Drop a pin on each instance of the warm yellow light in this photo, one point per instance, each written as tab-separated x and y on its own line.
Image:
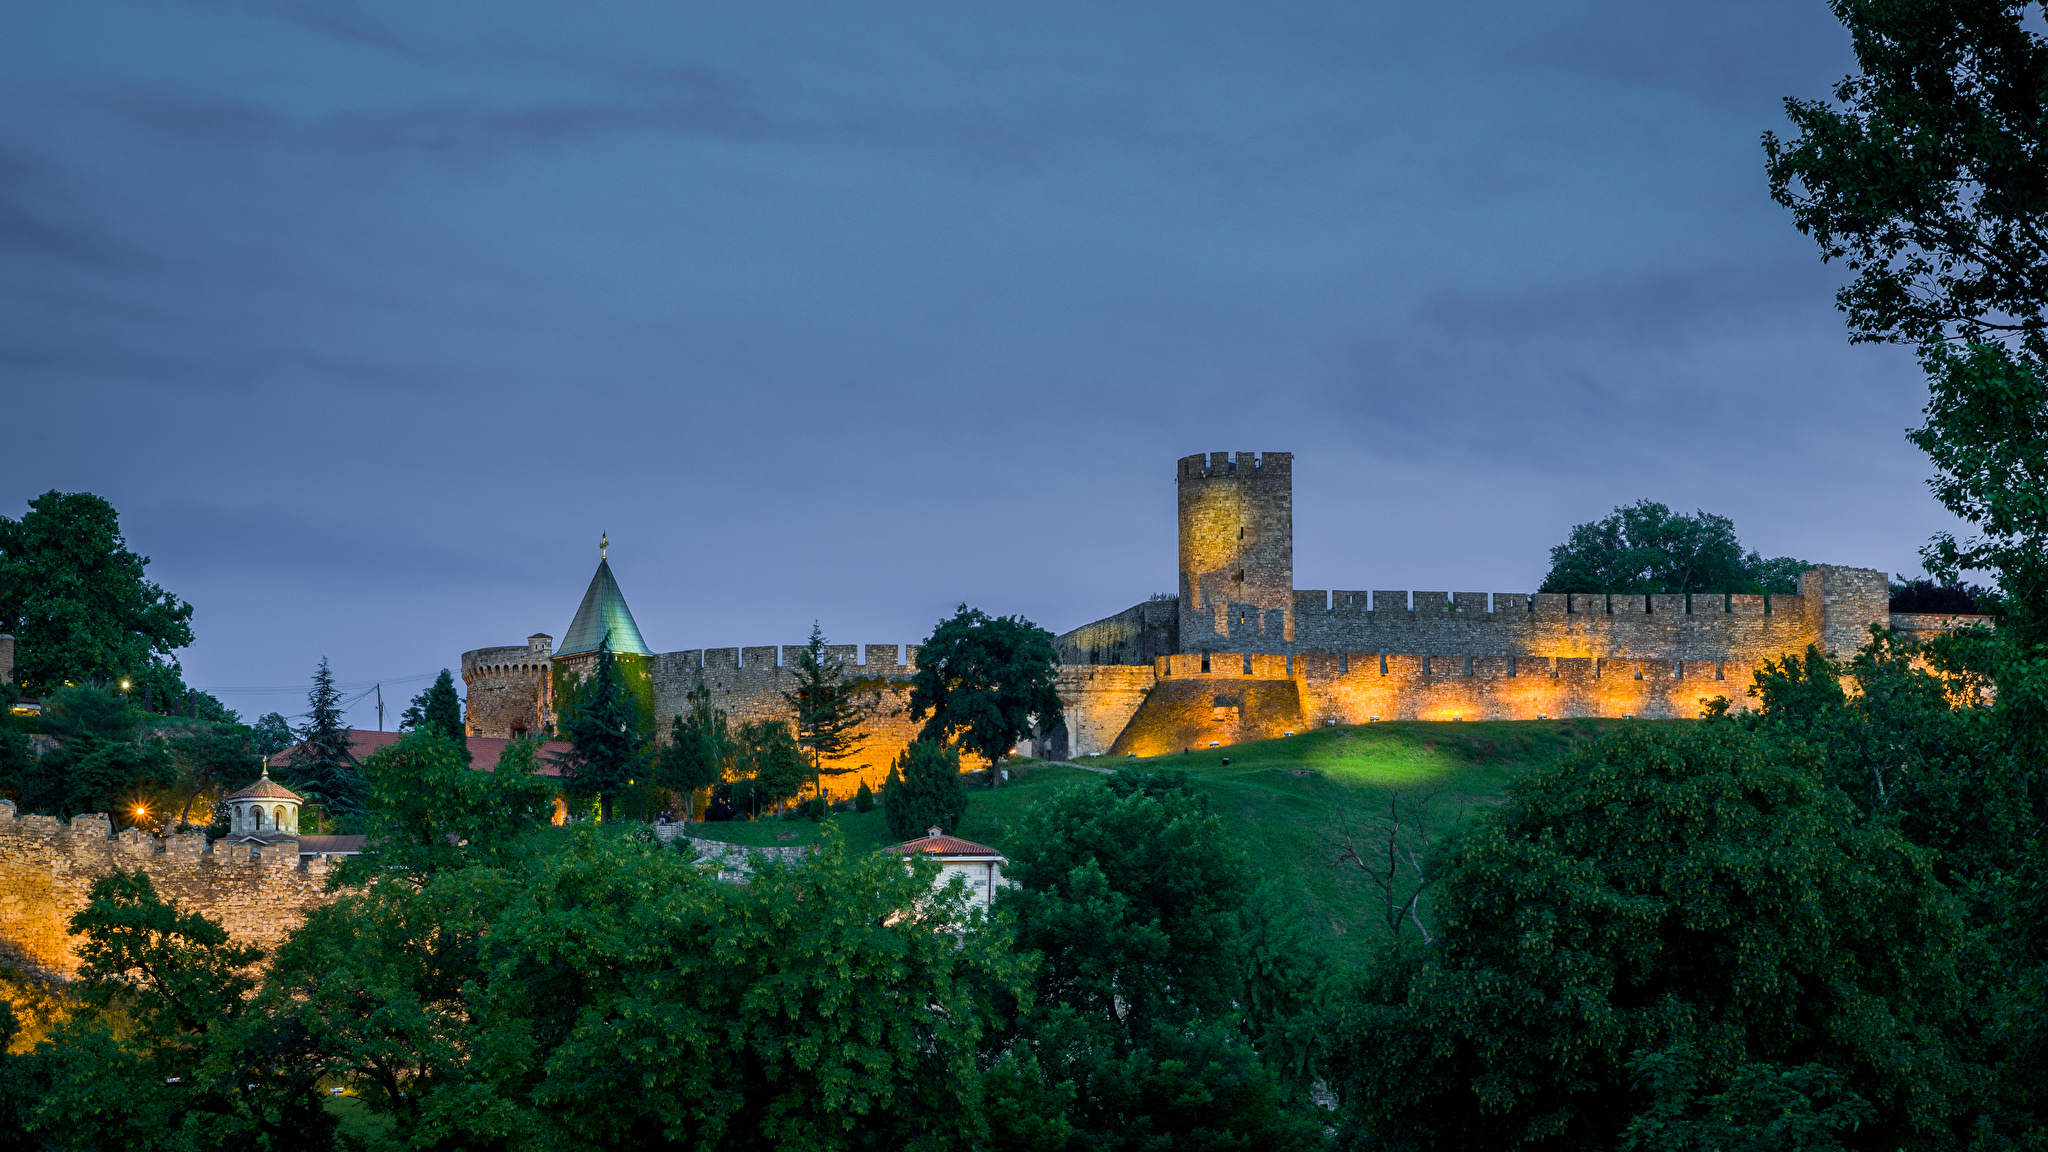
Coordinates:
142	811
124	685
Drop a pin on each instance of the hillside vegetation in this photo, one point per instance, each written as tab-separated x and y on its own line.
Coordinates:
1285	797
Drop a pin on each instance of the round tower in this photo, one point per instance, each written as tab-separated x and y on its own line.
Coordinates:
1236	552
509	690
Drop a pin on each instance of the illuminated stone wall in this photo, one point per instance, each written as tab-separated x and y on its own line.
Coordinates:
507	690
1099	702
47	866
1236	550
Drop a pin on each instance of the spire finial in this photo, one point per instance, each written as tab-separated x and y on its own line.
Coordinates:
603	542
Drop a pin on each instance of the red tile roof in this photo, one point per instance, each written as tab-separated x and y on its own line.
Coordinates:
483	750
266	789
944	846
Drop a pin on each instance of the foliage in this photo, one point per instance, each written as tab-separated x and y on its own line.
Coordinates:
608	741
864	800
322	767
768	768
830	707
1645	548
77	602
985	682
699	751
430	812
271	735
438	709
211	760
1162	975
924	791
1957	599
1693	892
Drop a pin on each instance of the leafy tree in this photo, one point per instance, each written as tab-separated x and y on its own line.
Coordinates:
767	765
985	682
438	709
830	708
322	766
214	759
1645	548
76	600
699	751
924	791
271	735
1170	995
1667	901
1957	598
608	748
430	812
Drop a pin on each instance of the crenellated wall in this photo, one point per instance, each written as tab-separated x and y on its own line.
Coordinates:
47	866
507	691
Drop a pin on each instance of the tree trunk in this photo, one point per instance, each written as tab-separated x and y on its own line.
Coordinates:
604	807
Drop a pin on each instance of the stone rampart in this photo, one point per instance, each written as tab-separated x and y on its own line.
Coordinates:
508	689
47	866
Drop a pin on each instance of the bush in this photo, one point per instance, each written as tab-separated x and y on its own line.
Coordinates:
864	800
926	792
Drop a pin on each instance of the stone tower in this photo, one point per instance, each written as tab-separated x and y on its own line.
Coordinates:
509	690
1236	552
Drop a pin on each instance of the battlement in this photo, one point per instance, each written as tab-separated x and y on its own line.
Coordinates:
1271	466
770	660
48	865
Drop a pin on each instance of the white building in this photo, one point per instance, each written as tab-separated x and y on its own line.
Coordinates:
978	864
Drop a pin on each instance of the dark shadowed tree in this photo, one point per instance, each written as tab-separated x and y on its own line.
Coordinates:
699	751
924	791
438	709
985	683
78	604
768	767
1646	548
322	766
607	748
271	735
830	707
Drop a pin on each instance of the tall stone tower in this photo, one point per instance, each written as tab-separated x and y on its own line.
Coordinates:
1236	552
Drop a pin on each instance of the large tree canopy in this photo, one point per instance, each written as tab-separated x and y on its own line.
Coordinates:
75	598
985	682
1646	547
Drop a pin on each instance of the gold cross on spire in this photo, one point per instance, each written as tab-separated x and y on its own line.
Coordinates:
603	542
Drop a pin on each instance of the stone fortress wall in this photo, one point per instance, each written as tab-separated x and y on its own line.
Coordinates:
509	689
47	866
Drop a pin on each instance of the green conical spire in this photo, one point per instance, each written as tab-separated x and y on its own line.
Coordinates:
603	610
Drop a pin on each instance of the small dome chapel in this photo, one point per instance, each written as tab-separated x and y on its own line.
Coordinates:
264	810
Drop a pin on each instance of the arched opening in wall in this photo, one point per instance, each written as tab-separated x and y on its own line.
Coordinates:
256	819
1205	659
277	817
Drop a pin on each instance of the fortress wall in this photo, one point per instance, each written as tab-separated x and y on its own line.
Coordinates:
1351	688
47	867
1099	702
506	690
749	685
1136	635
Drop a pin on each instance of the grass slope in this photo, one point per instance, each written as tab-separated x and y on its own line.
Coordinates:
1284	797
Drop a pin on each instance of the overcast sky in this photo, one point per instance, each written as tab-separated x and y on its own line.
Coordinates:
369	318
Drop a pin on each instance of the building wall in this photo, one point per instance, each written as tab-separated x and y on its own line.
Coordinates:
507	690
47	866
1099	702
1136	635
6	658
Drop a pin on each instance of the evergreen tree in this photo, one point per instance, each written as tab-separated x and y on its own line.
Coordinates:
924	791
699	749
608	750
985	682
864	800
322	768
769	765
438	709
830	708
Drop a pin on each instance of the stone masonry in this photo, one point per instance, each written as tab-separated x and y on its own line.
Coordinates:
257	892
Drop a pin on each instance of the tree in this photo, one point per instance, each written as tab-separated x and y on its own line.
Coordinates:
608	750
438	709
864	800
271	735
1387	840
1667	900
430	812
830	708
1646	548
1178	1006
699	751
322	766
76	600
924	791
1957	598
985	682
767	765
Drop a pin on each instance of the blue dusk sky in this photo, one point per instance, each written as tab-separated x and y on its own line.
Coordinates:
369	318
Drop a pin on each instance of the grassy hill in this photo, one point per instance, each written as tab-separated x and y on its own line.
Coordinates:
1283	796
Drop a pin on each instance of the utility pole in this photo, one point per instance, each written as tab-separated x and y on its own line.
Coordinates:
380	707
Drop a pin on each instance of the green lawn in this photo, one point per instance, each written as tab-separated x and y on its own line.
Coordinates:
1283	796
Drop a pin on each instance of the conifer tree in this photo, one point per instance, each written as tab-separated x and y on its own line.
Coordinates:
699	749
924	791
438	709
608	750
830	708
322	768
770	765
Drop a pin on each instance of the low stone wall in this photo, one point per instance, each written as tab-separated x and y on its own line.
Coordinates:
47	866
733	861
